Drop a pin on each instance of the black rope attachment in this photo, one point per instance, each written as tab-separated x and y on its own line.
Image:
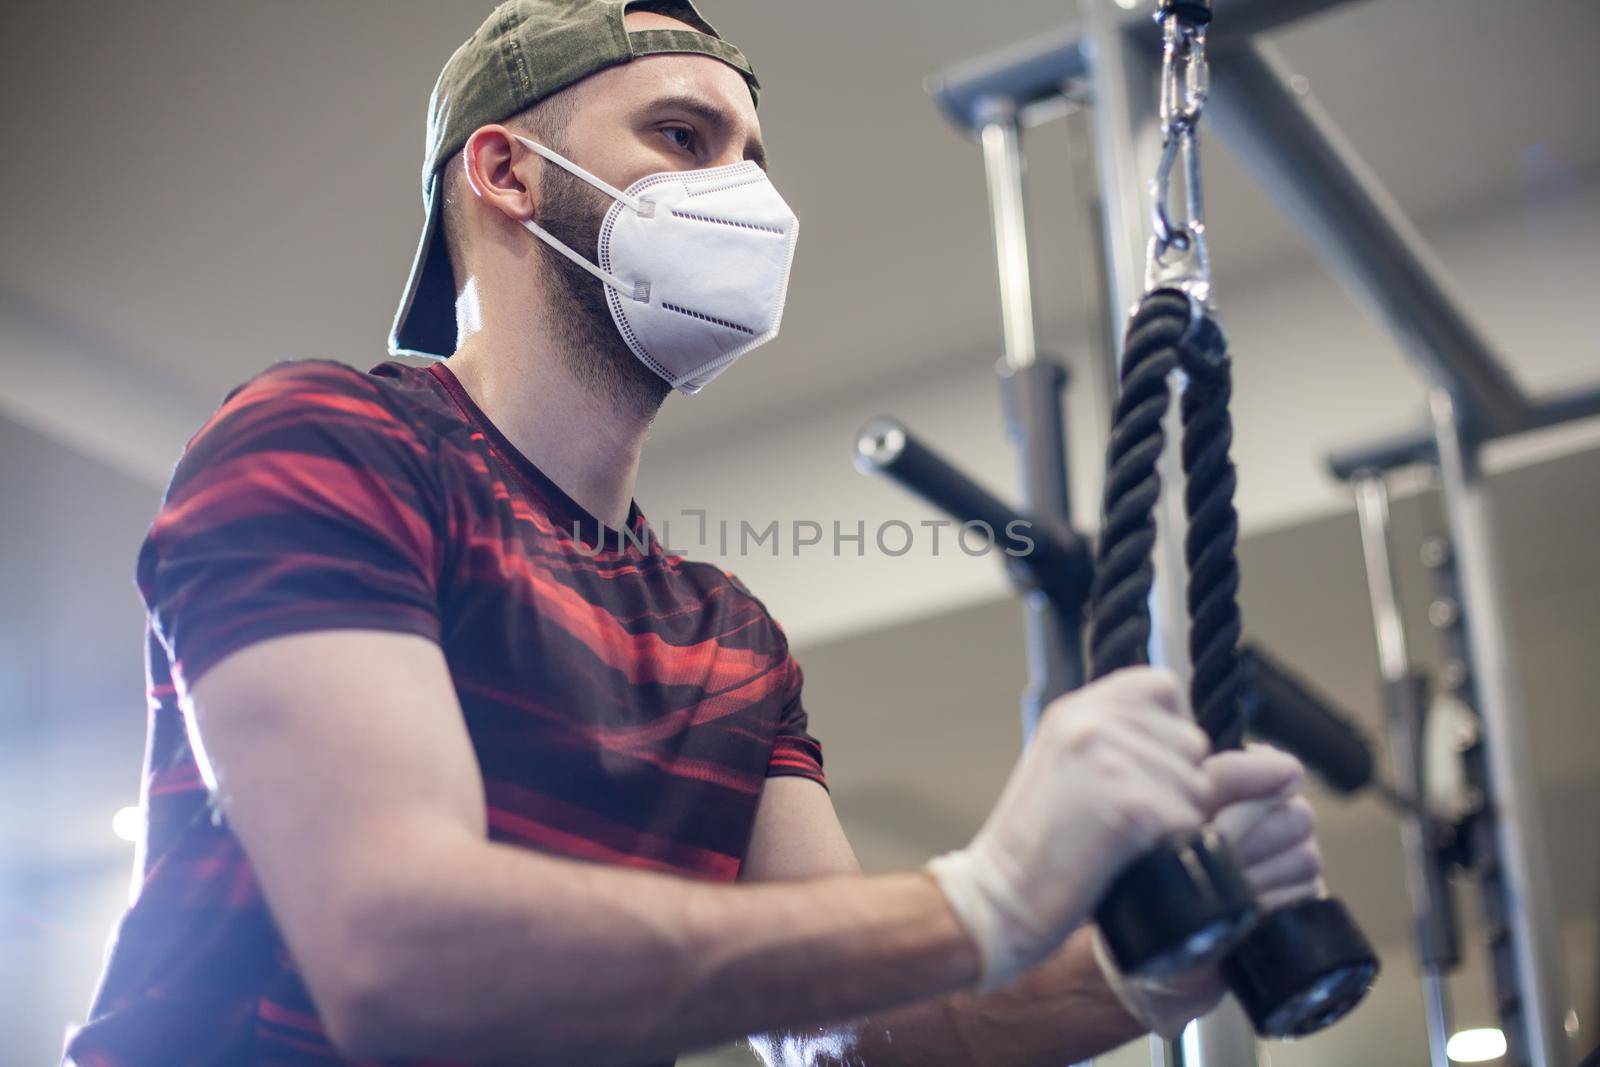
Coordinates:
1297	968
1168	332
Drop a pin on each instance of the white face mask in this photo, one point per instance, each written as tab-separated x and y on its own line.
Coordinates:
695	262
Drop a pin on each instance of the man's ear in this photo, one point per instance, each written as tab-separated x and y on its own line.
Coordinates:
501	173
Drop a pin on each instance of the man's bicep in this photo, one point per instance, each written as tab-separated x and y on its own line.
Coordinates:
335	755
796	834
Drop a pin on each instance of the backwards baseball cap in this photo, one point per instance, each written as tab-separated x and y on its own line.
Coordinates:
525	51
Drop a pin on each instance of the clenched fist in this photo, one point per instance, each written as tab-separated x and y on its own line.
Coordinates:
1270	828
1113	768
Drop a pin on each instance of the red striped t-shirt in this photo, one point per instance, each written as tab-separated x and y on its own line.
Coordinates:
625	704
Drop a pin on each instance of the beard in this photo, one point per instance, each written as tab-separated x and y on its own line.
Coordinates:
585	332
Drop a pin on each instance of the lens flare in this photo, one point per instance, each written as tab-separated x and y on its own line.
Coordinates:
1476	1046
128	823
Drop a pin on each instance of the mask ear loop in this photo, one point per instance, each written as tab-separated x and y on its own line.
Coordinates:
643	208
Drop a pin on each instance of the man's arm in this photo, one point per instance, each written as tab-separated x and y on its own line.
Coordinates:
1063	1010
342	764
1060	1012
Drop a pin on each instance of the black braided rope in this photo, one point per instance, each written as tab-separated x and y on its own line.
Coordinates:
1119	596
1209	547
1158	341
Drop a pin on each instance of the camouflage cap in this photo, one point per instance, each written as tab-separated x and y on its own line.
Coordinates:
525	51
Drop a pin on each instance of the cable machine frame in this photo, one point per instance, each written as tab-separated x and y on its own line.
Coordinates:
1300	159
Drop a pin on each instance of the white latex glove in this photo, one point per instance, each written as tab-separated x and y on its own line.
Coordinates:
1112	769
1270	827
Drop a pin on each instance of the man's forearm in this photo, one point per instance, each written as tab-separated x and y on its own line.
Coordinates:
491	953
1060	1012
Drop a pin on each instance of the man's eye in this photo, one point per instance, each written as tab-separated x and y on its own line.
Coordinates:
681	136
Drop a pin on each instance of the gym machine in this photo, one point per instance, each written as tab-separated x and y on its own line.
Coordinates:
1466	608
1108	65
1298	968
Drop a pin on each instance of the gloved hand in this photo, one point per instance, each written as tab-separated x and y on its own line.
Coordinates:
1270	826
1112	769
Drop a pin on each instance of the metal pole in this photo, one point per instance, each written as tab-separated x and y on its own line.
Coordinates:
1002	166
1525	859
1223	1038
1424	878
1103	342
1034	70
1122	80
1482	838
1372	508
1031	389
1300	158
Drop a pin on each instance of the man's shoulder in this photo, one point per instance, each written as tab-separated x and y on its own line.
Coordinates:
322	409
325	395
396	385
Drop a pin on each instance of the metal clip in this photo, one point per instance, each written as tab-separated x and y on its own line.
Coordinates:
1178	256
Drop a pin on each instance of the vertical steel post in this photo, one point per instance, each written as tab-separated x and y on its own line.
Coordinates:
1127	141
1002	167
1424	878
1104	340
1031	389
1223	1038
1523	853
1372	510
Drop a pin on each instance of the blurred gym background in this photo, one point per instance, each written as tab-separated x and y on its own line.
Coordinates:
192	191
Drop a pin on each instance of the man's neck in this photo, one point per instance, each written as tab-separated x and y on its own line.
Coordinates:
581	441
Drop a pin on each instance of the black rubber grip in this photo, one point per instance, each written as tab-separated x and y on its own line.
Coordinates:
1281	708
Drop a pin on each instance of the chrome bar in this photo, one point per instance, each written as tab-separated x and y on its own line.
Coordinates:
1300	158
1039	68
1524	856
1436	1011
1002	167
1550	411
1224	1038
1424	879
1085	191
1021	74
1372	508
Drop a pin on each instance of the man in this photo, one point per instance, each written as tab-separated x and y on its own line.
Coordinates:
450	760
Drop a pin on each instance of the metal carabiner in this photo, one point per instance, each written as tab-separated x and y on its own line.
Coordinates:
1184	86
1183	89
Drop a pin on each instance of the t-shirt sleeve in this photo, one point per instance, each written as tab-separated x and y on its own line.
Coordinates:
795	752
306	502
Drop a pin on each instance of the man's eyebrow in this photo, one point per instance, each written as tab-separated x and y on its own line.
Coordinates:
714	117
